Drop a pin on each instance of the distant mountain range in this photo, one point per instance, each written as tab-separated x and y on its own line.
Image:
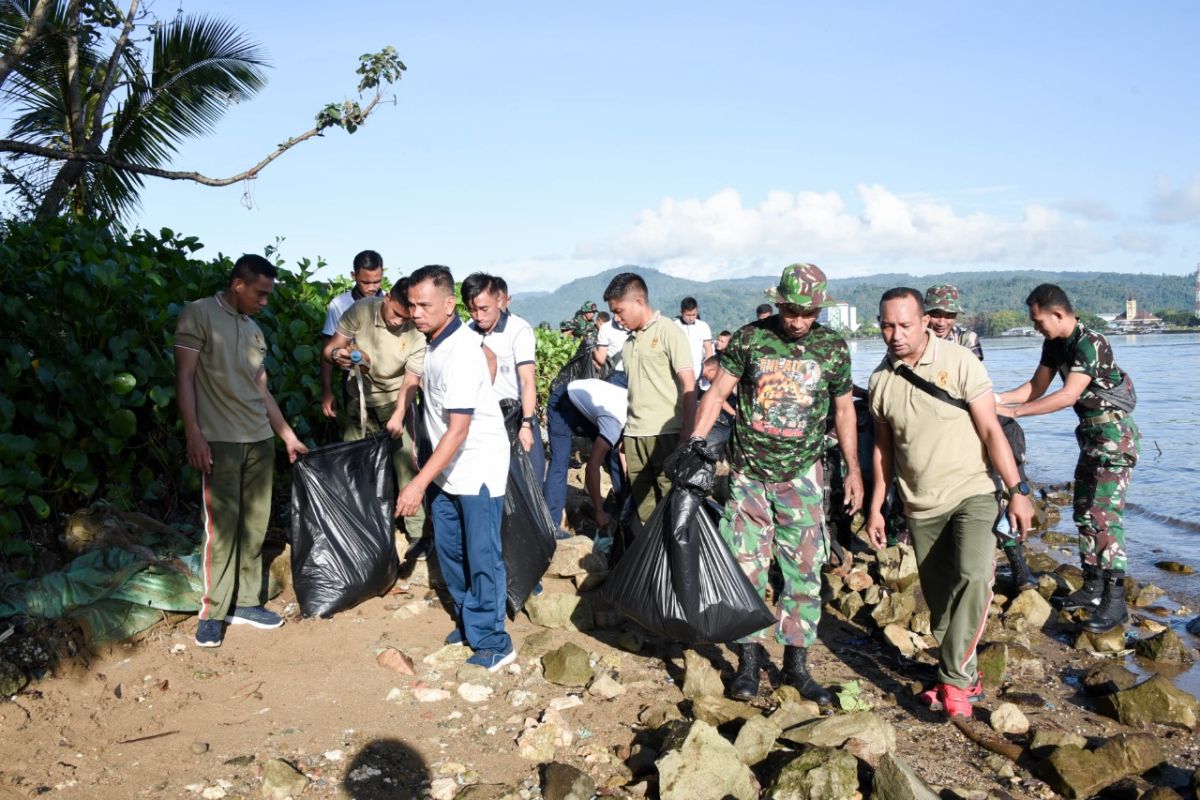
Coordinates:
730	303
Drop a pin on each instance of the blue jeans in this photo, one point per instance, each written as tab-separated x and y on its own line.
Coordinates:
466	536
563	421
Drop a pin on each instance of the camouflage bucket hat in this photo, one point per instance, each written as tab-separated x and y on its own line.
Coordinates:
943	297
803	285
587	308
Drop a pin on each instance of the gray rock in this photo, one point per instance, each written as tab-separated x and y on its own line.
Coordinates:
606	687
280	780
564	782
1044	740
1142	596
823	773
704	767
659	714
1032	606
858	579
1132	753
792	711
992	662
1024	663
850	604
901	638
538	643
921	622
1154	701
1111	641
569	665
877	734
897	566
895	607
199	748
1165	647
700	678
756	738
560	610
716	711
1077	773
1007	718
576	556
1108	677
12	679
895	780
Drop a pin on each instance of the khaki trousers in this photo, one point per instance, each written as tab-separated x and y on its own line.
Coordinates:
644	457
402	456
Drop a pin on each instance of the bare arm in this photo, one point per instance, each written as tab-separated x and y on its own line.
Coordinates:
710	404
278	424
591	479
1065	397
708	348
845	421
881	465
404	398
1031	389
687	391
198	453
983	414
600	355
527	379
412	495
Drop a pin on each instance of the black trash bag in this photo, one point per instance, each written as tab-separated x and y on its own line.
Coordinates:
582	366
527	532
693	467
343	549
679	580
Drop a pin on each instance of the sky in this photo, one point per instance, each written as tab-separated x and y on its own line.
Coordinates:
548	141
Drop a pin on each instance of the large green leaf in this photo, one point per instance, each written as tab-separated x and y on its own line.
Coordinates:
123	423
122	383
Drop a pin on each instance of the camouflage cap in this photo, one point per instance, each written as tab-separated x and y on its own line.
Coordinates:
803	285
943	297
566	325
587	308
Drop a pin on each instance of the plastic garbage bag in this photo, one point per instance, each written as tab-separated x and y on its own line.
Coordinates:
527	532
343	548
678	579
581	366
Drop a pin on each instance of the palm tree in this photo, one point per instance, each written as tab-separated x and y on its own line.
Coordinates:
159	84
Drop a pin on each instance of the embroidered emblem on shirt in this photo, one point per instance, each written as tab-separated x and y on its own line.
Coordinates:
943	379
654	343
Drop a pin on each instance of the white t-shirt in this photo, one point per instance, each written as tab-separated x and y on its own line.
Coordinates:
338	306
457	379
613	337
514	344
604	404
697	334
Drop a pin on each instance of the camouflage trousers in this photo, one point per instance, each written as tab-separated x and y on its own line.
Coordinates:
784	521
1107	456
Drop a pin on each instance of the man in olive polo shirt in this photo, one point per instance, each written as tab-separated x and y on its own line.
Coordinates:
392	352
662	389
940	453
228	416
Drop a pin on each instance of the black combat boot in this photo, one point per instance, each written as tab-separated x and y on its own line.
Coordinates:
796	674
750	664
1112	611
1022	578
1088	595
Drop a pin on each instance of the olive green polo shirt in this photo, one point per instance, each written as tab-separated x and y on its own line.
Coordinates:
938	458
229	405
653	356
393	352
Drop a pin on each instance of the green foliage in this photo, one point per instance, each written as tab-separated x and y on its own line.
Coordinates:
554	350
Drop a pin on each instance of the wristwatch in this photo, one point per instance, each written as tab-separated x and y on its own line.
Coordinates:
527	421
1020	488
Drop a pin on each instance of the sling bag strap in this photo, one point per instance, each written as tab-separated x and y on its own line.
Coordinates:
941	394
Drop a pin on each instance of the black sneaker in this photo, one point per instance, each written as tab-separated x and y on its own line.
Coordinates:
256	616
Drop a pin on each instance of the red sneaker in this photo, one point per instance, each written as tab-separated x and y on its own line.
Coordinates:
933	697
957	702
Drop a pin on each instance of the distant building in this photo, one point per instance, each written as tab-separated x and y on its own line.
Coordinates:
1019	332
840	317
1134	320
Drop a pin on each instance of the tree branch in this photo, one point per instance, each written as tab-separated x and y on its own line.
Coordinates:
110	74
25	40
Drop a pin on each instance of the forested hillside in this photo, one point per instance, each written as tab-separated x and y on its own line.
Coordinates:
729	303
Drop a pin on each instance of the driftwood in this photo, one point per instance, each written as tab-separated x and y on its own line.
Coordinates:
969	729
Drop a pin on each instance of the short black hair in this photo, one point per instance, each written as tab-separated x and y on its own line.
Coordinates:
904	291
399	292
623	284
501	284
602	317
478	283
688	304
368	259
725	333
441	277
764	308
250	267
1047	296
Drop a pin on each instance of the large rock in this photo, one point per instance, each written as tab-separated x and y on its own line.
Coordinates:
895	607
1024	663
897	566
12	679
700	678
280	780
1030	605
895	780
1007	718
857	579
659	714
1108	677
1111	641
901	638
1132	753
1154	701
877	734
1165	647
576	556
716	711
560	610
992	663
756	738
794	710
823	773
850	604
1077	773
569	665
564	782
704	767
1044	740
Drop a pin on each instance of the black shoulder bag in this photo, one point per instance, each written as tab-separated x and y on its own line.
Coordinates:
916	380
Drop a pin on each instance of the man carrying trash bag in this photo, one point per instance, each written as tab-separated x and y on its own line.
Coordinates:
788	369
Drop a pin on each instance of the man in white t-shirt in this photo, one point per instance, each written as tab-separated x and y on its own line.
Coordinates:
604	405
610	340
465	476
368	277
511	340
699	335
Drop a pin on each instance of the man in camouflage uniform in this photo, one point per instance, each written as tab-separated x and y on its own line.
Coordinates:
788	370
583	324
1103	399
943	304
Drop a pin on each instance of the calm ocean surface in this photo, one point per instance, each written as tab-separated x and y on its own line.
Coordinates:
1162	519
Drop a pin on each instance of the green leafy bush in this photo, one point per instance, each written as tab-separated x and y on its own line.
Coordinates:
554	350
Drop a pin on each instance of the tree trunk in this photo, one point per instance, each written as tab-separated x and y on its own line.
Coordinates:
32	30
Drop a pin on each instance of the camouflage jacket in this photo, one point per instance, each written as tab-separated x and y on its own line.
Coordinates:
1088	352
785	392
967	338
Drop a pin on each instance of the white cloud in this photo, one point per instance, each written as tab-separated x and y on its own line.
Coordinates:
878	230
1094	210
1172	204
